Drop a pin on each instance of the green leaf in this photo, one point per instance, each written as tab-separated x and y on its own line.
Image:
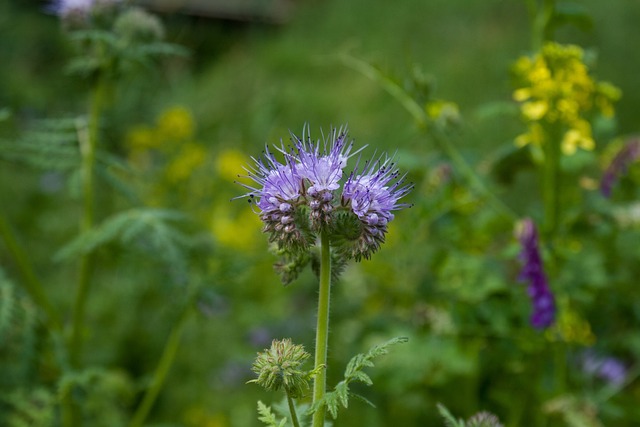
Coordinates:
340	395
268	417
449	420
153	230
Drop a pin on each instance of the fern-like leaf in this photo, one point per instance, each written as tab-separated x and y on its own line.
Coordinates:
340	395
49	145
449	420
268	417
153	230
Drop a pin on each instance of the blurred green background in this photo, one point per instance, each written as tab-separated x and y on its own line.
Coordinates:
446	278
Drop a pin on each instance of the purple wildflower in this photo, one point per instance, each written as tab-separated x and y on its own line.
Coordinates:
372	195
323	170
627	155
279	193
609	369
299	197
544	308
78	9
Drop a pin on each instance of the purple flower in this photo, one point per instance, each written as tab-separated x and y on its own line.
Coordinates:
372	195
301	195
544	308
279	193
620	163
609	369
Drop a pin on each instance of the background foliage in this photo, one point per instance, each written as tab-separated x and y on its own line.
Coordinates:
168	241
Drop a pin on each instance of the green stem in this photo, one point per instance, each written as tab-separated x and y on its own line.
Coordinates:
322	329
162	370
88	141
32	284
551	184
292	410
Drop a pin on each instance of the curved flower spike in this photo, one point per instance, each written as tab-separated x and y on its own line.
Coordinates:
544	307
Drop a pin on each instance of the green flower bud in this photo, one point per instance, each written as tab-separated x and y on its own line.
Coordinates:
279	367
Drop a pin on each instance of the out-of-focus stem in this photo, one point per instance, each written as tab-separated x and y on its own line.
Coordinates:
322	330
162	370
88	141
32	284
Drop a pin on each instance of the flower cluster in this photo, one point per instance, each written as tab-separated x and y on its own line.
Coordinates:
544	307
556	90
618	166
302	195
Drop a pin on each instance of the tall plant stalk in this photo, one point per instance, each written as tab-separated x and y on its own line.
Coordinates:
322	329
88	141
162	370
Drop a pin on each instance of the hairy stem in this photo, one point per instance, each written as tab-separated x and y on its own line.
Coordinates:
322	329
292	410
162	370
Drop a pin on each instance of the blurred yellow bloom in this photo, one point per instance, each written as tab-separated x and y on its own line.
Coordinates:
535	110
443	111
229	162
190	157
240	232
176	123
571	328
555	89
573	139
142	138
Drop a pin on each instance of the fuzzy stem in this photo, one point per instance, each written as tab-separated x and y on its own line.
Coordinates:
292	410
88	141
322	329
162	370
32	284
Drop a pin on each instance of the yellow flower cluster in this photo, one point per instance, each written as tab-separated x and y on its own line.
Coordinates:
556	91
172	136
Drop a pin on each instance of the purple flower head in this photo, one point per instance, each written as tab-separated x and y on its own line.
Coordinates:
301	195
322	165
372	195
609	369
279	193
544	308
619	165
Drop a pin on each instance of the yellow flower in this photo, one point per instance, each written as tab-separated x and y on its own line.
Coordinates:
236	231
176	123
191	157
577	137
555	89
229	162
141	138
535	110
571	328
